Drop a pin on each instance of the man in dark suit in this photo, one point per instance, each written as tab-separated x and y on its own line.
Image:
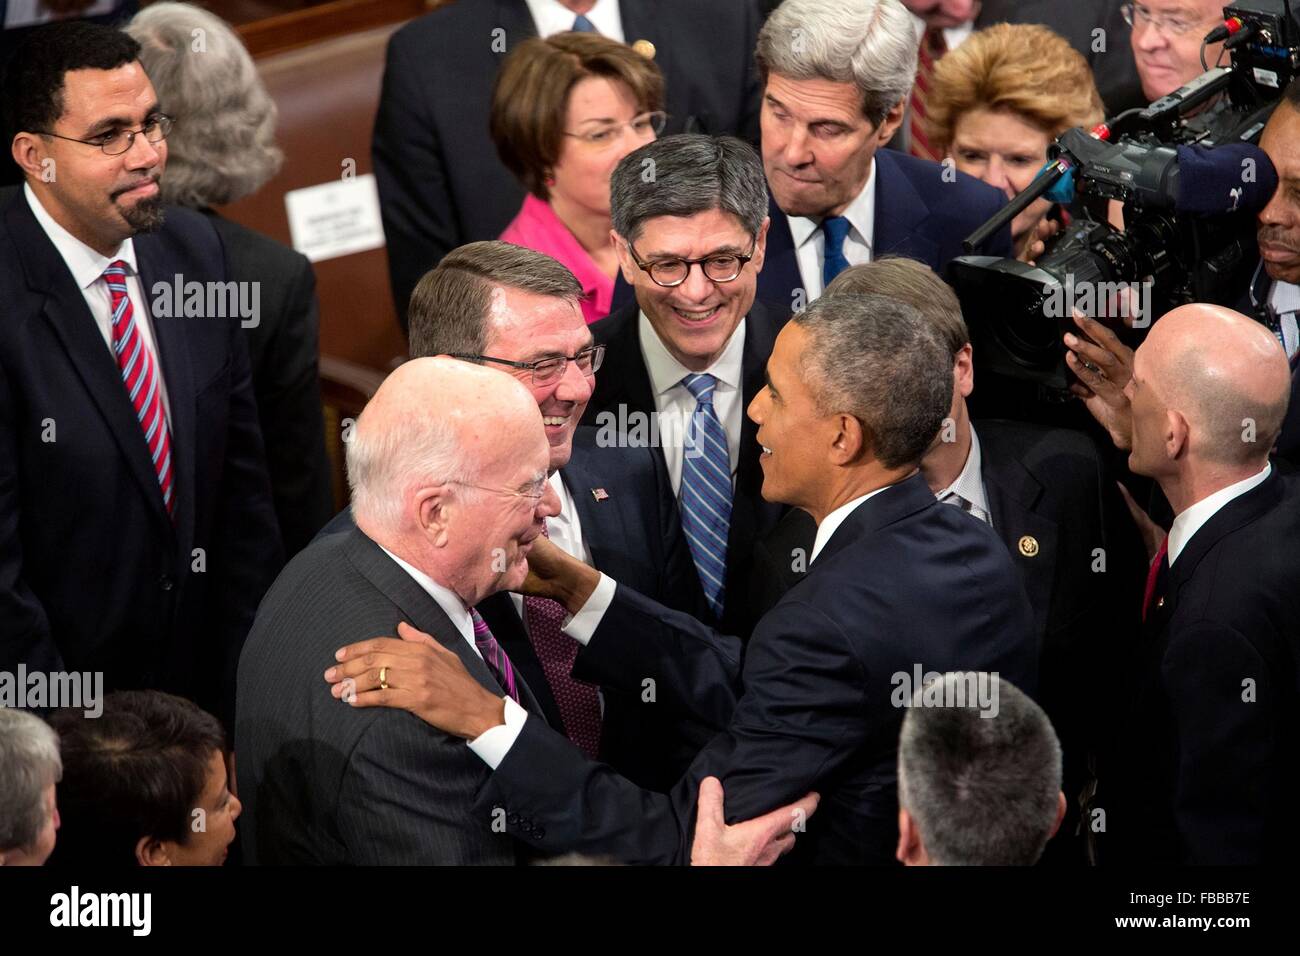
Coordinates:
1204	764
138	533
1048	495
837	198
441	183
447	508
435	534
703	212
498	304
900	586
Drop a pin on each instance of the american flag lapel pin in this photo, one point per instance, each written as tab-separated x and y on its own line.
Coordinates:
600	494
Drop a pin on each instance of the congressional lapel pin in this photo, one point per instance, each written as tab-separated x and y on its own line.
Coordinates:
1029	546
600	494
645	48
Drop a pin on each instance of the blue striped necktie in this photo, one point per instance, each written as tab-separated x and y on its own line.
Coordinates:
706	491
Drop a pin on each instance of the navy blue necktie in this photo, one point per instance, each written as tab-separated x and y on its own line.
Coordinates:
582	25
706	491
833	261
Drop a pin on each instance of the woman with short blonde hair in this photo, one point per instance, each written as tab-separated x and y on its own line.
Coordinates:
1000	98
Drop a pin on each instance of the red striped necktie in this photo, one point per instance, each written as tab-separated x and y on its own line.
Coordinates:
1159	566
143	381
933	46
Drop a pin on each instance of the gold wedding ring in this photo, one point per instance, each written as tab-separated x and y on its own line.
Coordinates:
383	678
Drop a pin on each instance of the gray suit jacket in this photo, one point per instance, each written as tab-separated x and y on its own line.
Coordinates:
326	783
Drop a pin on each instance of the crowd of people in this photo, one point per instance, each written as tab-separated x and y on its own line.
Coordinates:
763	584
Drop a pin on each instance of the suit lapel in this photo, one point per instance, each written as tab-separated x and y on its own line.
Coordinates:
780	276
66	310
900	213
514	17
423	611
1030	537
172	338
602	523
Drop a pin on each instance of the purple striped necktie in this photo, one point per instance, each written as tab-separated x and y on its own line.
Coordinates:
143	381
493	655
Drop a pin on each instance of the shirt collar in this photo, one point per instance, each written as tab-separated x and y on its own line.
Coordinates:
86	265
953	37
1284	297
551	17
445	598
666	372
861	214
970	483
831	523
1190	521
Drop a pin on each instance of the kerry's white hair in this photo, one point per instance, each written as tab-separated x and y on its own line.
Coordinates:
869	43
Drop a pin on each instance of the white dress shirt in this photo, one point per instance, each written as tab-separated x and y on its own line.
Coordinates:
970	483
553	17
1190	521
87	267
1284	299
492	744
674	404
952	36
831	523
810	240
565	532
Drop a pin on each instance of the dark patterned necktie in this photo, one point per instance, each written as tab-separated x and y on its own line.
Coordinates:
579	702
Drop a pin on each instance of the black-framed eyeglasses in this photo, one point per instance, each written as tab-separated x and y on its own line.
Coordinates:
642	125
720	267
118	141
548	370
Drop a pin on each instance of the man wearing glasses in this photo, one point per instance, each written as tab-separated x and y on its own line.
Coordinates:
686	358
517	310
1167	38
136	527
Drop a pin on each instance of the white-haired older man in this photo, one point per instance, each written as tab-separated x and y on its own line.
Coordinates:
837	75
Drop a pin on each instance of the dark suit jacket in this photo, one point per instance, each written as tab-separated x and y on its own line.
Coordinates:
94	575
325	783
624	383
440	182
284	353
636	538
918	215
903	582
1113	68
1205	768
1054	505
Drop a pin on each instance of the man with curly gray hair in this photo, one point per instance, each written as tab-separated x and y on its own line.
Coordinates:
221	150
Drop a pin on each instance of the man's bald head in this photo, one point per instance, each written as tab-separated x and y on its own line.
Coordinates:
1224	374
434	421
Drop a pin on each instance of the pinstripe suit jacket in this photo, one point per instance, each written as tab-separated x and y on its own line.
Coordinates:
325	783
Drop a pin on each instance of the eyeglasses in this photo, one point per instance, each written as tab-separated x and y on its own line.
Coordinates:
548	370
535	491
669	273
118	141
641	125
1139	17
